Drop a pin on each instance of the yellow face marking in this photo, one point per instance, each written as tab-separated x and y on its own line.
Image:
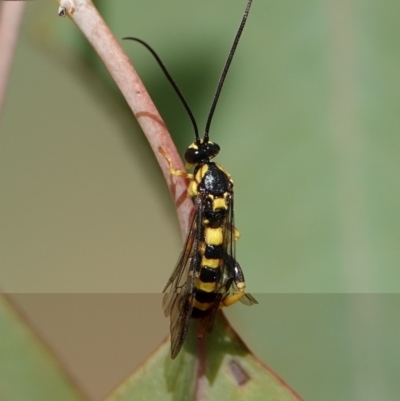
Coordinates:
213	236
193	145
211	263
207	287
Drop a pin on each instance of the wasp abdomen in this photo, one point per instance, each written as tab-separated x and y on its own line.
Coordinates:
210	275
214	185
214	252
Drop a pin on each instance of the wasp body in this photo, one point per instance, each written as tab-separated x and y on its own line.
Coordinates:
207	275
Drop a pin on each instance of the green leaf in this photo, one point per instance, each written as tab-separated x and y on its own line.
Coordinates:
218	367
28	370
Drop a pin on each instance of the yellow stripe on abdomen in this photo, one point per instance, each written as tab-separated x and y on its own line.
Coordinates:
206	287
202	306
213	236
211	263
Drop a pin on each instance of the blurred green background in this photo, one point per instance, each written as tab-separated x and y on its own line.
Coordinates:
308	124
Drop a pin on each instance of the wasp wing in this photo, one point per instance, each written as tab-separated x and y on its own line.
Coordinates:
178	298
178	281
206	323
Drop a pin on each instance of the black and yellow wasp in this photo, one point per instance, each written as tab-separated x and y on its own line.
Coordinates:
207	275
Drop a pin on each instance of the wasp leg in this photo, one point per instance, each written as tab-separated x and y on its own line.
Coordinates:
172	170
235	274
232	299
236	233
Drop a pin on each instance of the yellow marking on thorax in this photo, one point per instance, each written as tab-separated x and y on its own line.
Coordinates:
213	236
201	172
196	180
219	203
193	189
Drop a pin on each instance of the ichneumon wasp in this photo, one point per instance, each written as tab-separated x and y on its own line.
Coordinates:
207	275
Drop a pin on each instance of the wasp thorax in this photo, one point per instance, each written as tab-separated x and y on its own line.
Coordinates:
199	153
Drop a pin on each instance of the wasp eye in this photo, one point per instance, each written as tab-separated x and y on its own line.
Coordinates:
212	149
192	155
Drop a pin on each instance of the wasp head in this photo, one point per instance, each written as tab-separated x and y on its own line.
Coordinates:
201	152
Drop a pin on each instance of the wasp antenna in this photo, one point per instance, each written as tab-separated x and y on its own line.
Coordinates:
225	70
172	82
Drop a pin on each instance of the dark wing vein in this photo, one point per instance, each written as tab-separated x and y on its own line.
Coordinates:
178	298
177	281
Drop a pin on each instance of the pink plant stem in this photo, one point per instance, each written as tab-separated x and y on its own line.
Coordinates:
11	13
86	17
